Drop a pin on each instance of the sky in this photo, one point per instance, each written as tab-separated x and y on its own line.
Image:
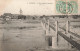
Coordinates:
3	4
29	7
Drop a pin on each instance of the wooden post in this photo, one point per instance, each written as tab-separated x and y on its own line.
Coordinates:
48	27
56	26
42	24
67	27
67	32
45	23
57	31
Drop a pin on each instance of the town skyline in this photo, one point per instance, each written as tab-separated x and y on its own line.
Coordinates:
30	7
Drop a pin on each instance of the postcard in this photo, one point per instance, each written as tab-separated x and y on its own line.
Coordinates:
39	25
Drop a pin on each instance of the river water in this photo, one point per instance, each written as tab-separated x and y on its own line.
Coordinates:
21	35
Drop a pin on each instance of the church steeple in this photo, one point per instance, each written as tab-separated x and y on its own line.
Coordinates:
21	12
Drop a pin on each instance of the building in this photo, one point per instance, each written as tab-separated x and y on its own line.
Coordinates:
7	14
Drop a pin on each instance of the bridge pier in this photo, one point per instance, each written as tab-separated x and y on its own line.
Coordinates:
67	32
55	37
56	23
52	37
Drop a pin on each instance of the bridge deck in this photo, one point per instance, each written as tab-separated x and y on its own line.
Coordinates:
73	42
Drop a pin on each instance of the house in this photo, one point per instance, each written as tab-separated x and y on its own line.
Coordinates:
7	16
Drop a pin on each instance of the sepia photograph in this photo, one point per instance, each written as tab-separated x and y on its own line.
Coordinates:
39	25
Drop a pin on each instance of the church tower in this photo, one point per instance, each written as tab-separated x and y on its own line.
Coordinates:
21	12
